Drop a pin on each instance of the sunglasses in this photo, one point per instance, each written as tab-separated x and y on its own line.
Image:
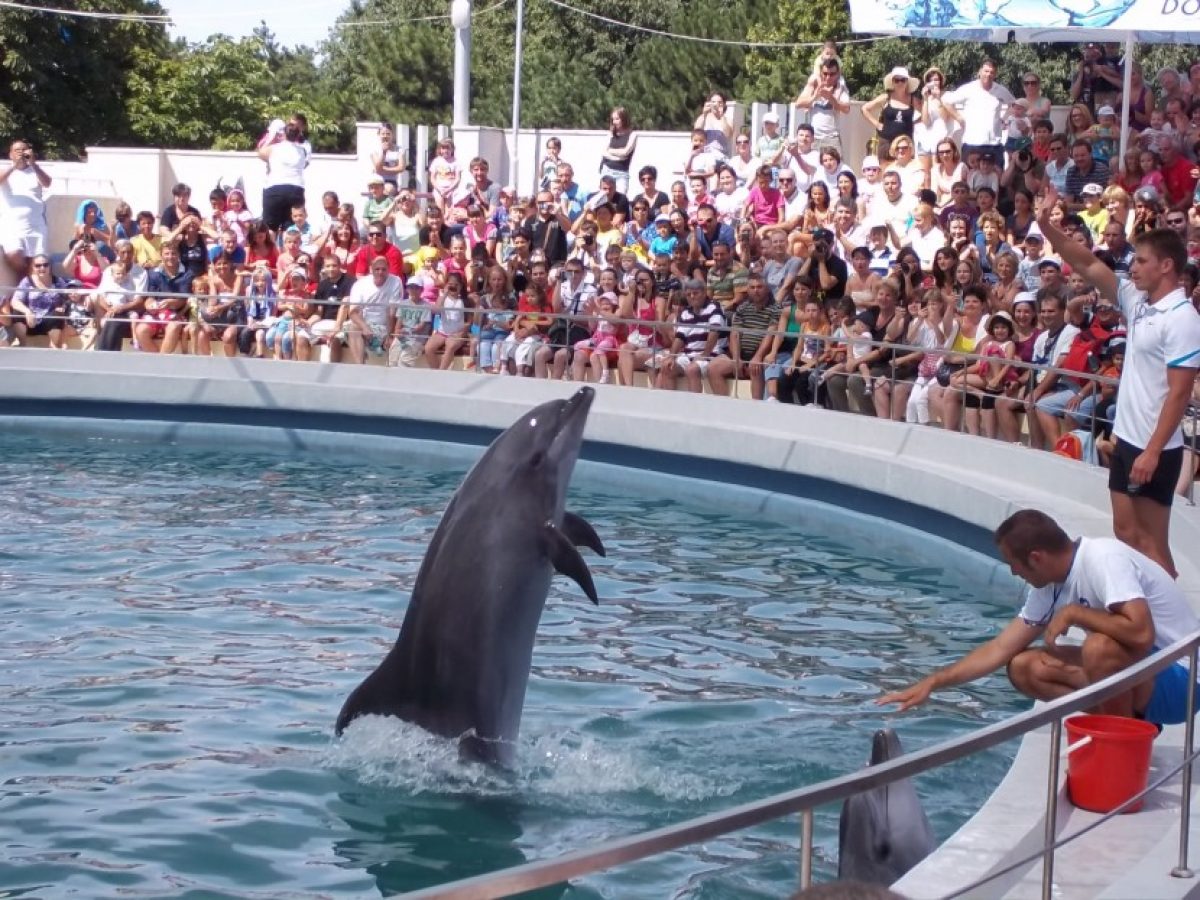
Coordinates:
375	233
946	152
37	265
1031	82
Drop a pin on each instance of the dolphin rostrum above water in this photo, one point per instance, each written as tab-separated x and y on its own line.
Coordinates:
461	663
883	832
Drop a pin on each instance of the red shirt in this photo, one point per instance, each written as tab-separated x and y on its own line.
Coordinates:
395	260
1179	181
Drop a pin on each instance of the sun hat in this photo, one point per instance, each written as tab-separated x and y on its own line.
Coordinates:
900	72
1001	316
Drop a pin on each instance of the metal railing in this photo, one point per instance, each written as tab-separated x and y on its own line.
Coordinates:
804	800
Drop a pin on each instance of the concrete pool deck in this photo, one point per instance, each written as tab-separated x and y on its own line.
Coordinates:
954	486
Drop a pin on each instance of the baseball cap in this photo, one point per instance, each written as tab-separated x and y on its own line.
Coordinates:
1106	111
822	234
770	119
1049	261
1091	190
870	162
662	218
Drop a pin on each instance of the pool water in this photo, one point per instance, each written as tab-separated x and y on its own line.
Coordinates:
179	628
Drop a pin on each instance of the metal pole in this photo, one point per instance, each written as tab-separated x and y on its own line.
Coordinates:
1185	800
1125	92
806	847
460	15
1051	812
516	110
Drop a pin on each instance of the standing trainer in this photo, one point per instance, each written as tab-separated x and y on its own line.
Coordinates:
1162	354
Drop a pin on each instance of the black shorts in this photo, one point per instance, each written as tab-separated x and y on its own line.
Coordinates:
1160	488
986	400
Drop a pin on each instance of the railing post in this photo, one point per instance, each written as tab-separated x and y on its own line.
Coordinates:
1185	800
806	848
1051	811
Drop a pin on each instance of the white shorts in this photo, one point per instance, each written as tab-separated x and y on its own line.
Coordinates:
323	328
13	238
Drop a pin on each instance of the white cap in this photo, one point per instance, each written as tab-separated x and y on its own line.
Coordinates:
770	119
870	162
1106	111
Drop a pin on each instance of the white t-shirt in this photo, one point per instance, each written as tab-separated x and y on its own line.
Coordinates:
1061	345
983	111
729	206
795	207
26	207
1106	572
1160	336
286	164
898	214
926	245
376	299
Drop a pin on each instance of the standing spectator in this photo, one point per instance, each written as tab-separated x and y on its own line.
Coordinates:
744	164
716	121
1096	80
893	113
622	144
1162	356
23	229
938	121
983	105
286	159
826	97
388	162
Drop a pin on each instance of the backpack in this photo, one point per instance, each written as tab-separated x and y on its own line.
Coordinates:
1085	352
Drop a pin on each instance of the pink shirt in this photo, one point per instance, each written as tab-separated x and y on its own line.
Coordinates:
765	206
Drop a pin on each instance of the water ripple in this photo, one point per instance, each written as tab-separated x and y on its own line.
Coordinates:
178	630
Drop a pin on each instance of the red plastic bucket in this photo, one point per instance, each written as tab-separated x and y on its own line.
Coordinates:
1110	766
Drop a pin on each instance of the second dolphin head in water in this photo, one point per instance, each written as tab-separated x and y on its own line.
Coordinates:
883	832
460	665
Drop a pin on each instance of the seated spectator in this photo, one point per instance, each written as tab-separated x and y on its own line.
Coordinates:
599	350
40	306
147	242
1051	392
378	247
369	322
964	332
91	227
699	338
170	223
223	312
729	200
293	307
924	236
532	325
983	380
260	313
451	325
645	342
1084	170
798	354
120	314
332	291
748	342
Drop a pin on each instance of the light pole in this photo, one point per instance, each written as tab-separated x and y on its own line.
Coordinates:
516	112
460	18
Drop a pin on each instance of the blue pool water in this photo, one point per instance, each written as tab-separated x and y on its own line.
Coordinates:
178	629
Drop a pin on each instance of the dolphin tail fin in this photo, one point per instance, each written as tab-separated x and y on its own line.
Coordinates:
566	559
365	700
581	533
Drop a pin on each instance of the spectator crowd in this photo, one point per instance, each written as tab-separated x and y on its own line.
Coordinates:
932	285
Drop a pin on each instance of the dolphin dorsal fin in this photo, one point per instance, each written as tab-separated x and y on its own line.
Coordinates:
566	559
581	533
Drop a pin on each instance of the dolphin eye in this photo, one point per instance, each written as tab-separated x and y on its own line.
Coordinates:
536	459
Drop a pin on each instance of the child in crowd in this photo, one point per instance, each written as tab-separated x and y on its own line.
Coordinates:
771	144
549	164
663	243
1018	128
986	176
215	223
1094	213
237	218
605	337
881	251
701	160
857	337
928	336
1104	135
444	172
378	203
260	312
1150	164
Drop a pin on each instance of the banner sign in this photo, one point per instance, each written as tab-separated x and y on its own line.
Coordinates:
1150	21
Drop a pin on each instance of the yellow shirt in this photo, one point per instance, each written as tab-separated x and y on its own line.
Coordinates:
147	252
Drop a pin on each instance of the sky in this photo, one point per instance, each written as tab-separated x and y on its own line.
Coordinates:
293	21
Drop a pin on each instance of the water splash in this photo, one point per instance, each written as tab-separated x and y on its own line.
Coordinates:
386	751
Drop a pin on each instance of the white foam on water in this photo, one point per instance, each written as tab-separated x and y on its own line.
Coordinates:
384	750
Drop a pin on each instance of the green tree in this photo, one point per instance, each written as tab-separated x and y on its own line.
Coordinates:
66	79
220	95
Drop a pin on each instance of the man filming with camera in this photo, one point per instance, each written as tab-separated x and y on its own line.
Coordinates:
23	231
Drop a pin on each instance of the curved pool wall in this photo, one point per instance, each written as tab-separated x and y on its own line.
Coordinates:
941	486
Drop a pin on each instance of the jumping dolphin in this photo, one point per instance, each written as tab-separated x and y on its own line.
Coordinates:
461	663
883	832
